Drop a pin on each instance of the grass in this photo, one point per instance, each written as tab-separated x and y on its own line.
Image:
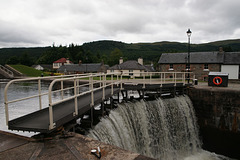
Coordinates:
28	71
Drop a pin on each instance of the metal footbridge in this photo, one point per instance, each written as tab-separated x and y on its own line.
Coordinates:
88	90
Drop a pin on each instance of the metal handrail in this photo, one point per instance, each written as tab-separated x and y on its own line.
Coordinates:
116	78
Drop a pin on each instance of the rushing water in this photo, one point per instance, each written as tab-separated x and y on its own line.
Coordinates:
162	129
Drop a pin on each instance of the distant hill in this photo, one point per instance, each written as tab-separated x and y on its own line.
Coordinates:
102	49
152	51
34	53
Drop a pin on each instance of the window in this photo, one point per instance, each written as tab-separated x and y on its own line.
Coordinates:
170	66
205	67
130	72
187	66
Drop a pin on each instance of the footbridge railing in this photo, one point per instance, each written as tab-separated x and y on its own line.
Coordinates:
81	84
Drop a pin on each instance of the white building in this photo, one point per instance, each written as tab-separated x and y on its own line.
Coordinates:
131	68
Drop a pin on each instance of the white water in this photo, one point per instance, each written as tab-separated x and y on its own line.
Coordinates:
162	129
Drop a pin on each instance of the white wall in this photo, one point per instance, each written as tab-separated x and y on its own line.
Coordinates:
232	70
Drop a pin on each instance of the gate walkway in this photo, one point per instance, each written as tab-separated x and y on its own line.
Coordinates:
99	87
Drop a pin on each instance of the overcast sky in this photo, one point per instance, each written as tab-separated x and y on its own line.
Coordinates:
25	23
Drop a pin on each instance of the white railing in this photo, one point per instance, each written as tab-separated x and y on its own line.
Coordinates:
90	80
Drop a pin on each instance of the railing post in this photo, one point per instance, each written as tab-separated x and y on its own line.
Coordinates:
161	80
51	124
144	83
62	88
92	94
121	82
175	78
6	102
100	79
184	78
117	79
39	93
104	86
75	98
112	84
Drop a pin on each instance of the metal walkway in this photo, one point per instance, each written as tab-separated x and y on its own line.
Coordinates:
62	113
100	87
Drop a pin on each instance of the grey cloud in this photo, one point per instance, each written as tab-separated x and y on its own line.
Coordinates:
42	22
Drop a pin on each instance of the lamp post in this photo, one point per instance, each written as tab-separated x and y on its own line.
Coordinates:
188	63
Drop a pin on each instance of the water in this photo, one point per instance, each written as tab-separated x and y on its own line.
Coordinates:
162	129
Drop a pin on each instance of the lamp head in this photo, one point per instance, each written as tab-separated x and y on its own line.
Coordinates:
189	32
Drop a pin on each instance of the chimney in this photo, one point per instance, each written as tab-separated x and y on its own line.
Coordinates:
120	60
67	61
221	49
79	62
140	60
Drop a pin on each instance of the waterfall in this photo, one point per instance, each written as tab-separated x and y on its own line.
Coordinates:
162	129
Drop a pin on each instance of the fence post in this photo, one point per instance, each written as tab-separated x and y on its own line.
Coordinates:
39	93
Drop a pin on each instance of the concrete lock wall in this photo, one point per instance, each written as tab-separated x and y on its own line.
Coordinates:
218	113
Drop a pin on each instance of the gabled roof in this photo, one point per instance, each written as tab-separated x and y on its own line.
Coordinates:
195	57
128	65
88	67
45	66
232	58
149	68
62	60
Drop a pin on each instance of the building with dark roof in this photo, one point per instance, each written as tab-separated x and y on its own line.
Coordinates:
131	67
201	63
83	68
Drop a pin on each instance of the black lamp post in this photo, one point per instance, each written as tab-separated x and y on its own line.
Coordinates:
188	63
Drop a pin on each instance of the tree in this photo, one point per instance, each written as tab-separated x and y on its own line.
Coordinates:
114	56
26	60
13	60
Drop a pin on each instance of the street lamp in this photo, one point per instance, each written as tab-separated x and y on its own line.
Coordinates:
188	63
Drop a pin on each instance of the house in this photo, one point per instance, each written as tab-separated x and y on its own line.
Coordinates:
83	68
201	63
42	67
61	62
131	67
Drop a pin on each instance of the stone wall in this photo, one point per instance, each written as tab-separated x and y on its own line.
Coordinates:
198	69
218	113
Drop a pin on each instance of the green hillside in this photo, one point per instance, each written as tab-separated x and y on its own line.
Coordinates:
107	51
33	53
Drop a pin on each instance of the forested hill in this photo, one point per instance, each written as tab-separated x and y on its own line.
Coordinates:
108	51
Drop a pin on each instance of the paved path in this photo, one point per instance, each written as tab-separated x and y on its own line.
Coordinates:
69	147
231	86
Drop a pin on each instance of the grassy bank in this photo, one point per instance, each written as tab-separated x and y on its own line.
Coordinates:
28	71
